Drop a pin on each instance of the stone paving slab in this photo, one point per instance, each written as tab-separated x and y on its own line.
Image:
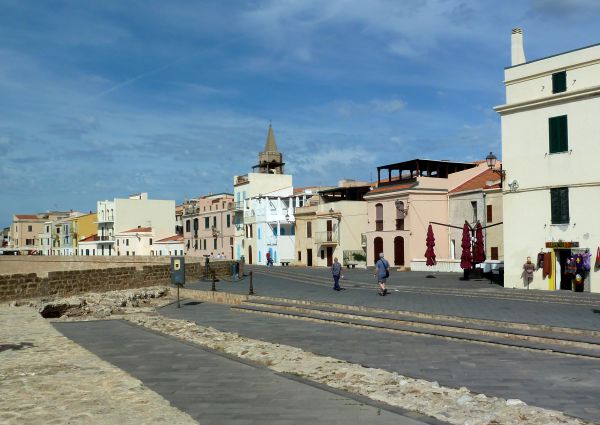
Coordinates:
567	384
215	389
481	307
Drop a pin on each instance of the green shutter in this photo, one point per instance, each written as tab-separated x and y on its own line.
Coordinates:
559	205
559	82
558	134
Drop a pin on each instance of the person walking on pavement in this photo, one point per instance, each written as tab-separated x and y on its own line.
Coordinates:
382	271
336	271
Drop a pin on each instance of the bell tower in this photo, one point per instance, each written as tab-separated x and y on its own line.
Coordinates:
270	160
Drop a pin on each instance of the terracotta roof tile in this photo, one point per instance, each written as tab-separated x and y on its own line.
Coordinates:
392	187
175	238
27	217
480	181
139	230
91	238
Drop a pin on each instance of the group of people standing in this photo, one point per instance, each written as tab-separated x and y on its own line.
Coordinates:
382	272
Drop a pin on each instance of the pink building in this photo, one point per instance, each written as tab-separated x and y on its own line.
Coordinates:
208	226
408	196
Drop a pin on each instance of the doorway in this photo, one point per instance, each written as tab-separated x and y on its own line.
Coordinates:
377	248
399	251
309	257
566	279
329	256
329	234
250	255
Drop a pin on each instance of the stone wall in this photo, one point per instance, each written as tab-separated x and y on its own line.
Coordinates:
72	282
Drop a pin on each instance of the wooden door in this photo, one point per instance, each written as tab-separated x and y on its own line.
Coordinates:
399	251
377	248
329	235
309	257
329	256
250	255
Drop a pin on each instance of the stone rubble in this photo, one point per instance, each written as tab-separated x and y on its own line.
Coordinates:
456	406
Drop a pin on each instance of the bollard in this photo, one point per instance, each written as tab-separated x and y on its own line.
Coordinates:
214	279
251	291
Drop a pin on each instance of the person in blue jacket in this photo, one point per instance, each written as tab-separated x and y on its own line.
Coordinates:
336	271
382	271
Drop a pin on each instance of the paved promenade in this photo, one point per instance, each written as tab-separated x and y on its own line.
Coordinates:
413	291
46	379
216	389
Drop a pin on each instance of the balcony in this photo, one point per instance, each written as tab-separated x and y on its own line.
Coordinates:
238	206
399	224
241	180
272	240
108	218
106	239
326	238
378	225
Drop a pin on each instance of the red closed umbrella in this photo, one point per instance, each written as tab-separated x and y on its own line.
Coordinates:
430	253
479	253
466	260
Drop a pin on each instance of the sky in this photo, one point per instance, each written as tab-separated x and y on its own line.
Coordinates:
102	99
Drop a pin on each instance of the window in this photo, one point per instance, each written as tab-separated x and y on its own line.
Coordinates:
150	241
204	244
215	243
399	215
322	254
559	82
215	221
231	241
274	231
378	217
474	208
228	220
127	242
559	205
29	228
187	225
188	244
259	233
309	229
299	255
558	134
206	222
196	245
282	231
196	226
490	216
117	242
494	253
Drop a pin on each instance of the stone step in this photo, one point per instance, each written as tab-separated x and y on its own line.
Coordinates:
555	345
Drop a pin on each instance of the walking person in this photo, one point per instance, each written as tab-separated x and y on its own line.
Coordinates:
269	261
382	271
336	271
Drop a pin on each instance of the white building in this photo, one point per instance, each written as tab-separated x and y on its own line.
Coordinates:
550	140
137	211
270	181
173	245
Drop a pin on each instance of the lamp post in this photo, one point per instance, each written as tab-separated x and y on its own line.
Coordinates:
491	163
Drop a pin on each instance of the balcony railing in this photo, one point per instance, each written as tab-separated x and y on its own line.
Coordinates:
399	224
327	237
105	239
238	206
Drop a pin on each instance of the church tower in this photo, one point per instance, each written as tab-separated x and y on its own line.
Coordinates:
270	160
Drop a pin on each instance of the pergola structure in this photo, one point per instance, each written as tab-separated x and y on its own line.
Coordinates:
410	170
353	193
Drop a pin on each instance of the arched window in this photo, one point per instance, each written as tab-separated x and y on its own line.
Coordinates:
378	217
400	215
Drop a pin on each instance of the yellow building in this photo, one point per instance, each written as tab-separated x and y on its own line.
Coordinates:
83	226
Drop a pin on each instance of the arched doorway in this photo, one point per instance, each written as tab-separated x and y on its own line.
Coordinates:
399	251
250	255
377	248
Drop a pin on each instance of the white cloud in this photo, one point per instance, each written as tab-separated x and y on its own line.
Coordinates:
330	161
389	106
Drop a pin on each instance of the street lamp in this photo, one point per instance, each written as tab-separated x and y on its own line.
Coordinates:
491	163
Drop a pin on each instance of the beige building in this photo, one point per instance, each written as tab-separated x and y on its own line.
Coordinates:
332	224
477	200
26	230
406	199
208	226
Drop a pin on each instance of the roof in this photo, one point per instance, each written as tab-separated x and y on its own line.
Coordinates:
91	238
392	187
270	145
551	56
174	238
27	217
139	230
480	181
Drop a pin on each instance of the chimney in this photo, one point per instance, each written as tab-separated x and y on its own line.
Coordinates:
516	47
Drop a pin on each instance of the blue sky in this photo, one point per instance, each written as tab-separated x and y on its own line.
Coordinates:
100	99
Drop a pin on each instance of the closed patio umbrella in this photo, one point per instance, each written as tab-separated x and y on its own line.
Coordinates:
479	252
466	260
430	253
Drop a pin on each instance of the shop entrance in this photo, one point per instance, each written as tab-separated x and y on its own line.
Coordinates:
566	280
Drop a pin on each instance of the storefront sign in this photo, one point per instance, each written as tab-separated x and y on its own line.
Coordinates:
562	244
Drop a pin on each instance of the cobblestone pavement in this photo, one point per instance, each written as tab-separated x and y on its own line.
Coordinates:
557	382
47	379
216	389
413	291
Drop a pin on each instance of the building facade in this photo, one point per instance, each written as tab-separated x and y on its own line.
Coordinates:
27	230
208	225
550	139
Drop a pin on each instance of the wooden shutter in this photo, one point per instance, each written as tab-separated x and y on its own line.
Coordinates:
559	205
558	134
494	253
489	214
559	82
